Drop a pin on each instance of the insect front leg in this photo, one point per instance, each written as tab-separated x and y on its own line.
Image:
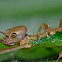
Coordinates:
4	33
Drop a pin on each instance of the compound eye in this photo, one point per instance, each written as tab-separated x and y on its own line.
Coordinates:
13	35
7	30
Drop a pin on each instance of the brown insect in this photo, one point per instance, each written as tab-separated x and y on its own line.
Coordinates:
17	35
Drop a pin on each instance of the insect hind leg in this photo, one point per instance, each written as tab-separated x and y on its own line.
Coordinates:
60	25
44	26
60	55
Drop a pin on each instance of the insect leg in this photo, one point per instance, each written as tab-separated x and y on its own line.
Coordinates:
11	49
60	55
60	25
44	26
3	32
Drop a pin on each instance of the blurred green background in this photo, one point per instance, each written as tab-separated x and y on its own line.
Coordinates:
30	13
